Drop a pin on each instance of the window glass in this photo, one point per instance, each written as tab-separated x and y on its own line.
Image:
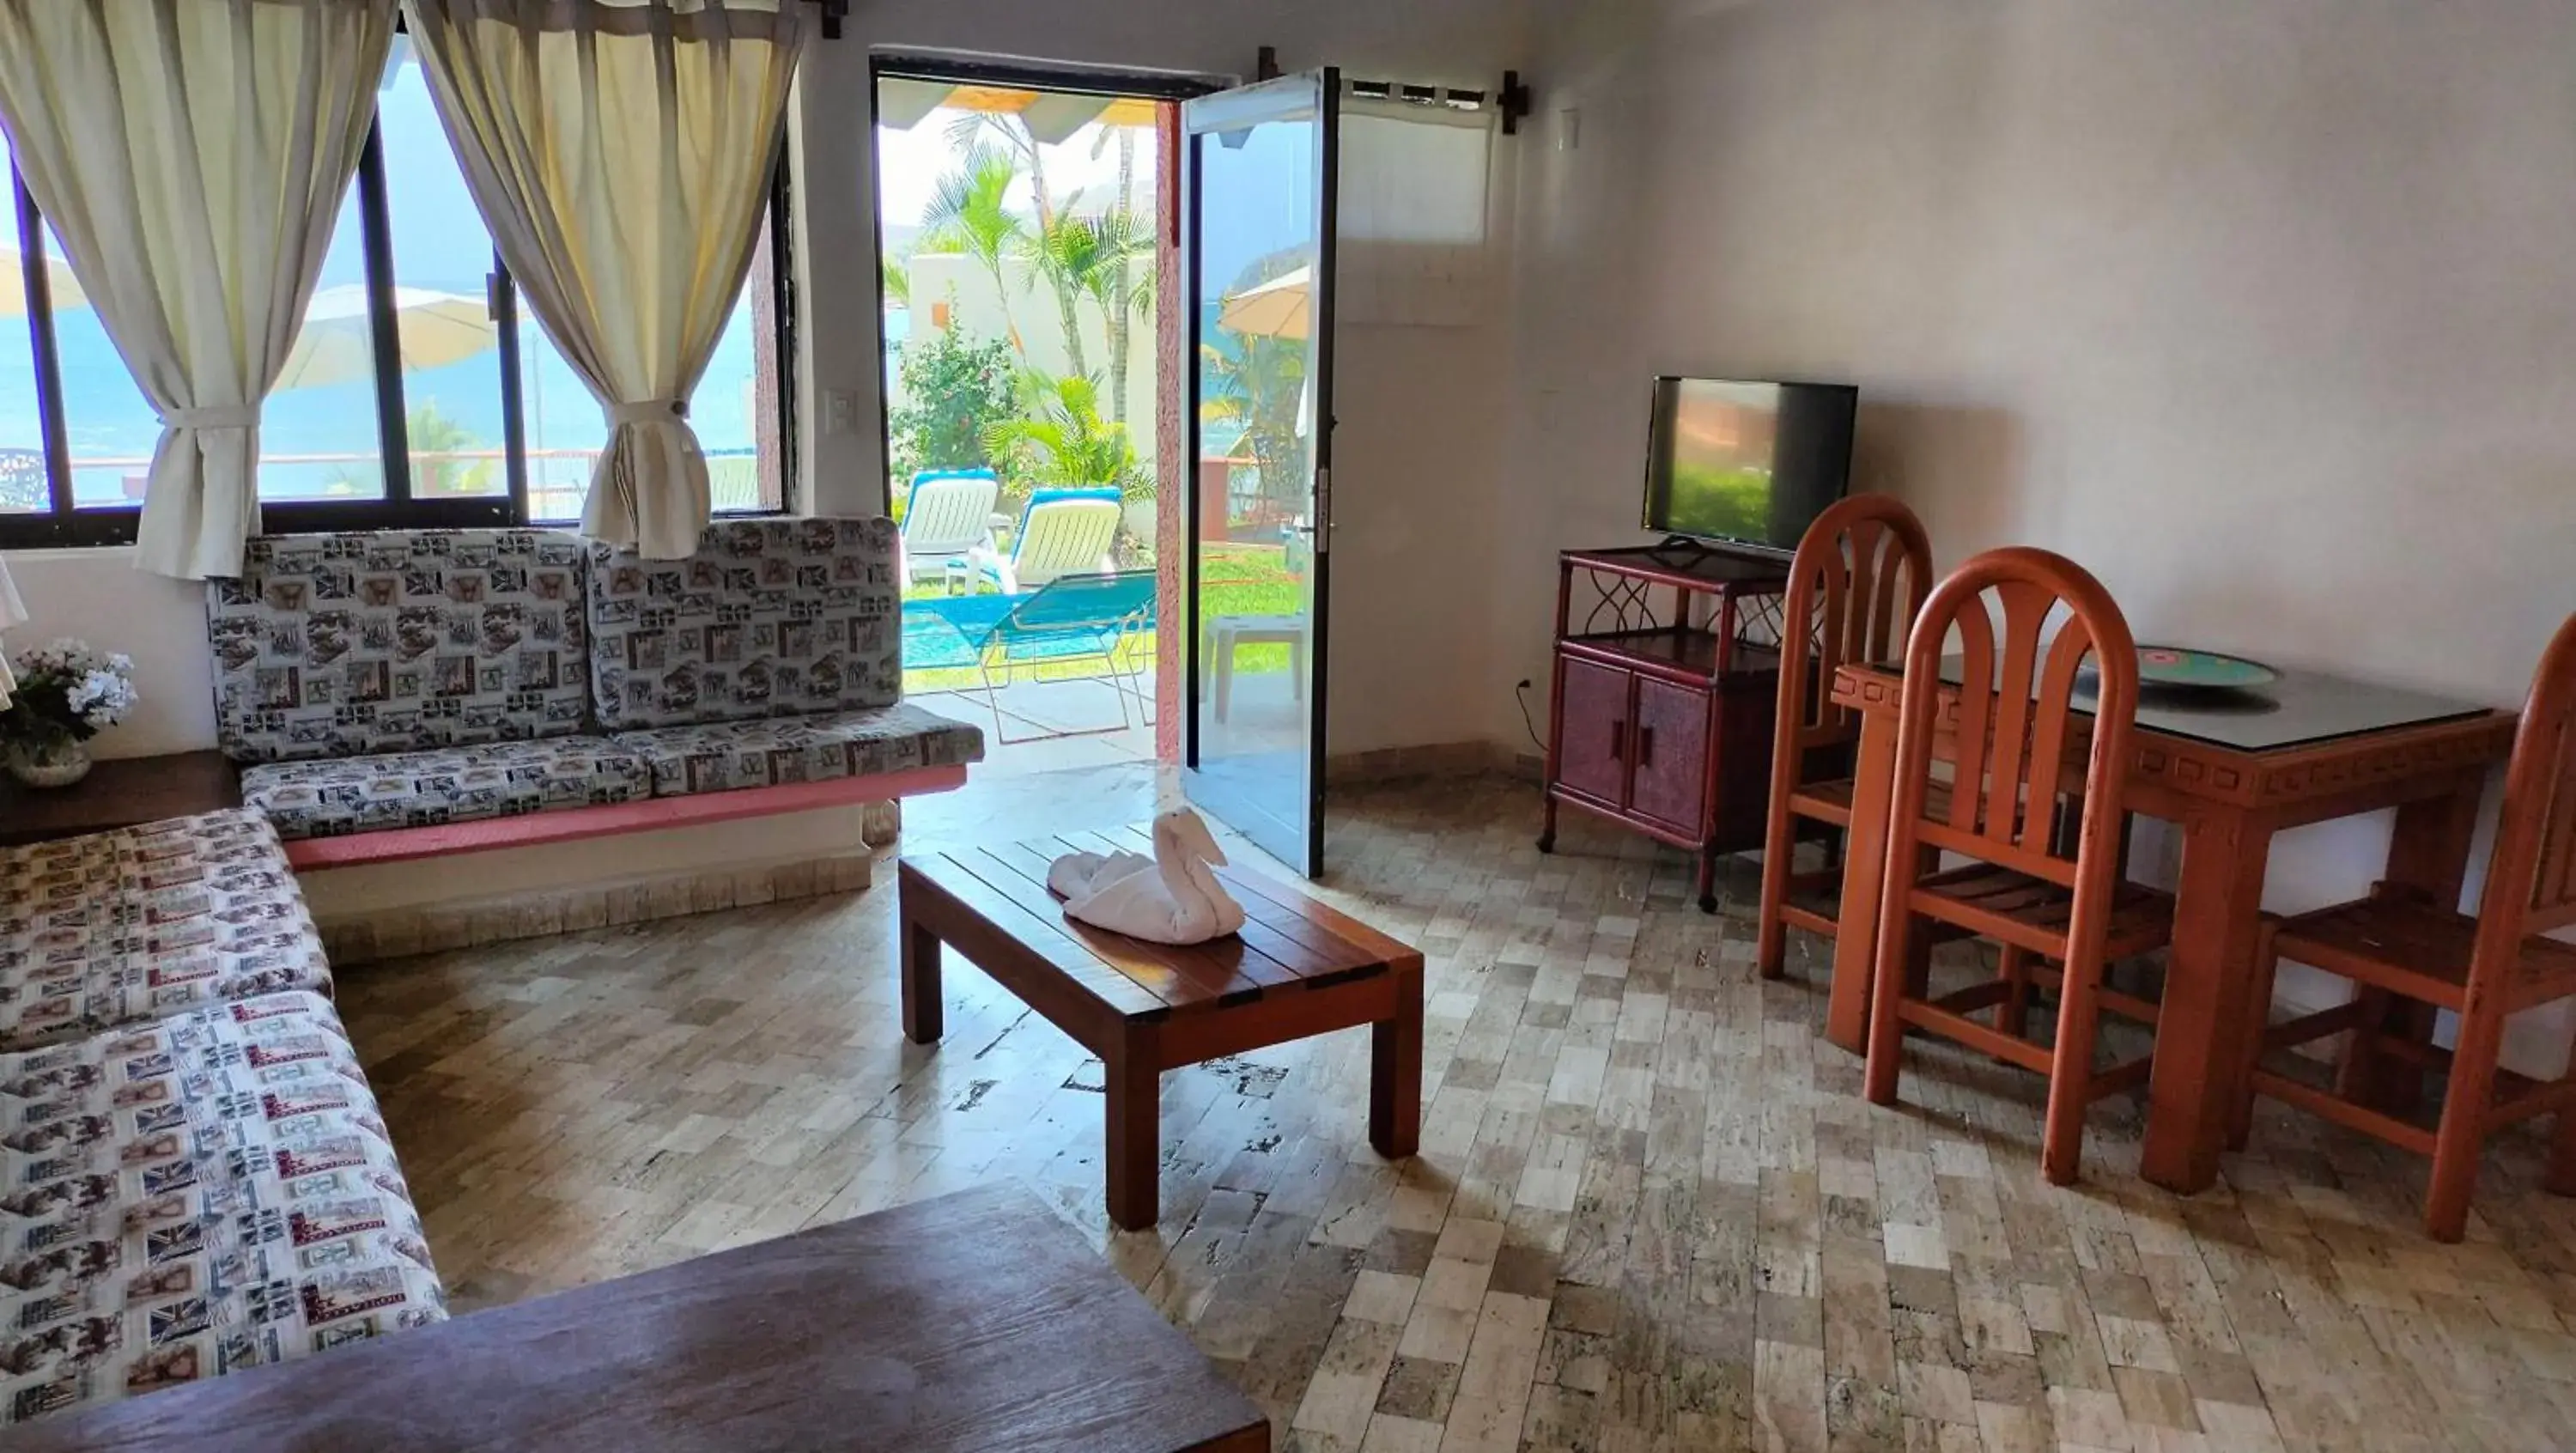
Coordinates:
23	487
111	427
443	263
319	439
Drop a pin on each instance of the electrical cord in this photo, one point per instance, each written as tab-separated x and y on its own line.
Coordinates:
1520	694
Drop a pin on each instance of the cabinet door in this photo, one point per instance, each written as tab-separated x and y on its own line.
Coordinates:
1592	731
1670	784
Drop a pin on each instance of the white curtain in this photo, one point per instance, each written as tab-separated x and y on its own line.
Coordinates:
621	152
191	154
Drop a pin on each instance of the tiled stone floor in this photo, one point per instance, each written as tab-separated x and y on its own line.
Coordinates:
1651	1210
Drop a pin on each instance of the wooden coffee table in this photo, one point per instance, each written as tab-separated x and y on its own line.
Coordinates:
973	1321
1297	969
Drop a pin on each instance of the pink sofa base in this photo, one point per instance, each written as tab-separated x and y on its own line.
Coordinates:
537	829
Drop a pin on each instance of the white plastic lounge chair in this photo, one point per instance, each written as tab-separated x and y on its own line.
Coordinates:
949	519
1064	532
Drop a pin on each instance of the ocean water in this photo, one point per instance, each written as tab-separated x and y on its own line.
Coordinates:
112	429
438	242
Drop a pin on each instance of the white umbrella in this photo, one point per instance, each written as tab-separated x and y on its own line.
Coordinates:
335	345
60	286
1279	308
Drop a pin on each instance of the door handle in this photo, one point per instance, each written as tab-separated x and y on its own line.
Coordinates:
1645	746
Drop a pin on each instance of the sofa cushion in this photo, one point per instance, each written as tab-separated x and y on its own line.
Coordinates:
397	641
196	1196
114	928
463	784
768	618
723	756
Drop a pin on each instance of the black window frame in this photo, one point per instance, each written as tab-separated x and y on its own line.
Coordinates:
61	526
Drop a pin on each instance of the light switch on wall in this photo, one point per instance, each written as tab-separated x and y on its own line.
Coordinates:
838	407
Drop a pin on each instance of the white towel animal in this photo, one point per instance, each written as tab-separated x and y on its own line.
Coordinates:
1172	897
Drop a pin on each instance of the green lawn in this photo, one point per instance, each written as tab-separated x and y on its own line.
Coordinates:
1239	580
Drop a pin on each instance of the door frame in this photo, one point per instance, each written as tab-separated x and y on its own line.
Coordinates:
1259	96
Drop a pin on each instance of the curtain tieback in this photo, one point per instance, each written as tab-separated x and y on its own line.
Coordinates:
213	416
650	411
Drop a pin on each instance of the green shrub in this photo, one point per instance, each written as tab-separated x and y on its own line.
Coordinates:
955	390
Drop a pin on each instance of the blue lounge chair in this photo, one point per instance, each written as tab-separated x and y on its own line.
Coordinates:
947	517
1074	617
1063	532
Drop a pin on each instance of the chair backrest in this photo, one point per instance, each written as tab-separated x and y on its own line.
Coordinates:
948	510
1855	587
351	644
2531	878
1124	600
2015	719
1065	532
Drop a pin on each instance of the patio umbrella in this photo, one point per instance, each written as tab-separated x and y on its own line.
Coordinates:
60	285
335	346
1275	309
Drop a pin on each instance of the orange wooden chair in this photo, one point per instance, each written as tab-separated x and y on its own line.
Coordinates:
1857	582
2396	945
2010	728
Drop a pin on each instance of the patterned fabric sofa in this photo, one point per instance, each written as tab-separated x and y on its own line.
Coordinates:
194	1178
196	1196
418	678
774	655
113	929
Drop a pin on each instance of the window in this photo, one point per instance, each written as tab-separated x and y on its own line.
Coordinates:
417	393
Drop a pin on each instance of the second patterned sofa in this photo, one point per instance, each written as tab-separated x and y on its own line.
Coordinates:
194	1177
410	692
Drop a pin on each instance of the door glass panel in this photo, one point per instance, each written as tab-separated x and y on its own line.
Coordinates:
1260	318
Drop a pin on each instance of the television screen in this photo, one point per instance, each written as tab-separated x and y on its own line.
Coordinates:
1752	463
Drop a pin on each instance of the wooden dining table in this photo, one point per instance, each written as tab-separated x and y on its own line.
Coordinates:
2232	771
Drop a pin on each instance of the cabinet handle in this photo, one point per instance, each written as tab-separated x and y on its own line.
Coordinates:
1618	741
1645	746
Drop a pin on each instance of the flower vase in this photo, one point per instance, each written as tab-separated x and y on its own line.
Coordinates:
55	762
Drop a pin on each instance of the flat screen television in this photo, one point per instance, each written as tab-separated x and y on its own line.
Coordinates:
1747	463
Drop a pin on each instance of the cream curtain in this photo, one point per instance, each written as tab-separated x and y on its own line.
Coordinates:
621	152
192	154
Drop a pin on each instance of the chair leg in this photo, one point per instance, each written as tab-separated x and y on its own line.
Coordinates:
2463	1132
2013	1015
1224	674
2070	1070
1896	934
1779	845
2258	1021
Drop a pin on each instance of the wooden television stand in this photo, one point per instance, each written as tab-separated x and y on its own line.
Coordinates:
1661	712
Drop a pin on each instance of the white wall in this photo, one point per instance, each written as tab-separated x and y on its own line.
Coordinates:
100	597
2264	310
978	315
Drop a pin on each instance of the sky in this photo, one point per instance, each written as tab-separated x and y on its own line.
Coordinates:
1260	195
910	163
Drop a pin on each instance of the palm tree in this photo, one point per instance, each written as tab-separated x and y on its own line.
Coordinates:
967	214
1067	252
1124	297
1060	438
1123	293
898	281
435	440
1261	387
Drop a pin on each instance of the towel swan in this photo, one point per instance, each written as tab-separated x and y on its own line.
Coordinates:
1172	897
